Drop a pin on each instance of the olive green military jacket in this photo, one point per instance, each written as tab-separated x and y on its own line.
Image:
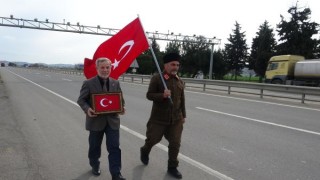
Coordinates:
163	112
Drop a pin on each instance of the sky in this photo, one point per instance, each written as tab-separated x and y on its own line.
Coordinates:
209	18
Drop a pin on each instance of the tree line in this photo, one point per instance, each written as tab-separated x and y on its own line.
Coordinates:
297	36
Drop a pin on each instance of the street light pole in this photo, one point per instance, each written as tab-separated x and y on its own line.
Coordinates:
211	61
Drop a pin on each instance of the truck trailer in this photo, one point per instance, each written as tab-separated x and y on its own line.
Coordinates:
293	70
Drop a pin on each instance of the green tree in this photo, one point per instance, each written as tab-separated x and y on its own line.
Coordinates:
317	53
236	51
173	46
219	68
146	59
263	47
296	34
196	57
146	64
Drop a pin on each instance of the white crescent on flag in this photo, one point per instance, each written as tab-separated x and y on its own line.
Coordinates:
102	102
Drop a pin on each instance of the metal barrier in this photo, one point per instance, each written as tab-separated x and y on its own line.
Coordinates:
232	86
206	85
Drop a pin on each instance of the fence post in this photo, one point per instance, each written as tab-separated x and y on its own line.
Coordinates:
261	93
303	98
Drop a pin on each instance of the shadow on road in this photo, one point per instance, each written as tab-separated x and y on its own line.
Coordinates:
85	176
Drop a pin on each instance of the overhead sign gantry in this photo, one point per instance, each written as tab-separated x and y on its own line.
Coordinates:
98	30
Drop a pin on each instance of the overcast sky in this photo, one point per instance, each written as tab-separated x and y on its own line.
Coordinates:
210	18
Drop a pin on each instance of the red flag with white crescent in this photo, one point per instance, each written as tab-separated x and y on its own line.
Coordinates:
107	103
121	49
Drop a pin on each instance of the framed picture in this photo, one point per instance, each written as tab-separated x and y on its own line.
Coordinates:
107	102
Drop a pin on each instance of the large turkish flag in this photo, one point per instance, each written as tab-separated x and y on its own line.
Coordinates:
121	49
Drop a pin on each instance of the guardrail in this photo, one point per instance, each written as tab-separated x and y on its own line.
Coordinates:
233	86
230	86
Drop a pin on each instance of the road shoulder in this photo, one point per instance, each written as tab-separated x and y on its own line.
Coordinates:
14	160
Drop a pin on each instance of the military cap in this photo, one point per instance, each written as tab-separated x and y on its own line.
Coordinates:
171	57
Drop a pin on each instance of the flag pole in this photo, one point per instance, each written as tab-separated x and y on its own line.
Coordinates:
155	61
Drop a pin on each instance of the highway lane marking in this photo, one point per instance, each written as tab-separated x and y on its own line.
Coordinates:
260	121
52	92
66	79
183	157
250	100
140	136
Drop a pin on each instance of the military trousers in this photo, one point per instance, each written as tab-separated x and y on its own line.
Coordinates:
172	133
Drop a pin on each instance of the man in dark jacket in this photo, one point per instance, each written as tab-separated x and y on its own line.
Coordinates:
100	124
168	113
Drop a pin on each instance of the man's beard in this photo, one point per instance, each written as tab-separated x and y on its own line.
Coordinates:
174	72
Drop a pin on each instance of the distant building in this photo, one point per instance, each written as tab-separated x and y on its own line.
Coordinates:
4	63
78	66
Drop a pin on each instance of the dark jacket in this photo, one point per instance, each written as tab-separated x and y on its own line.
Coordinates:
163	112
98	123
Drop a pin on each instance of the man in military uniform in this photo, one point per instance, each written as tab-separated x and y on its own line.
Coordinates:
168	113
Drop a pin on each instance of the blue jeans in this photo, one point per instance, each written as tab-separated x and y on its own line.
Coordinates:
113	148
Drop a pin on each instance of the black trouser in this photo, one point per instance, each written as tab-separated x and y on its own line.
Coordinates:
172	133
113	147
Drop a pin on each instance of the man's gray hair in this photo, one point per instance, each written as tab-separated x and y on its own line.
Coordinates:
102	59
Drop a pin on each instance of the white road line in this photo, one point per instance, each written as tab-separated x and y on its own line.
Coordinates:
66	79
45	89
250	100
260	121
183	157
140	136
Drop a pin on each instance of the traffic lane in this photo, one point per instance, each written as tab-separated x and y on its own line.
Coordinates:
287	115
149	107
191	135
249	150
254	113
212	147
64	84
51	146
134	94
54	131
12	142
292	115
137	115
157	167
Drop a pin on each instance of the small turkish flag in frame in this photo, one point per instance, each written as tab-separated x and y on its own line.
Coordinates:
107	102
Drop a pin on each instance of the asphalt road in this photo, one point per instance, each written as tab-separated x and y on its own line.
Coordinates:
225	137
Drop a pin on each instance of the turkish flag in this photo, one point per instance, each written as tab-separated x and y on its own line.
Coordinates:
107	103
121	49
